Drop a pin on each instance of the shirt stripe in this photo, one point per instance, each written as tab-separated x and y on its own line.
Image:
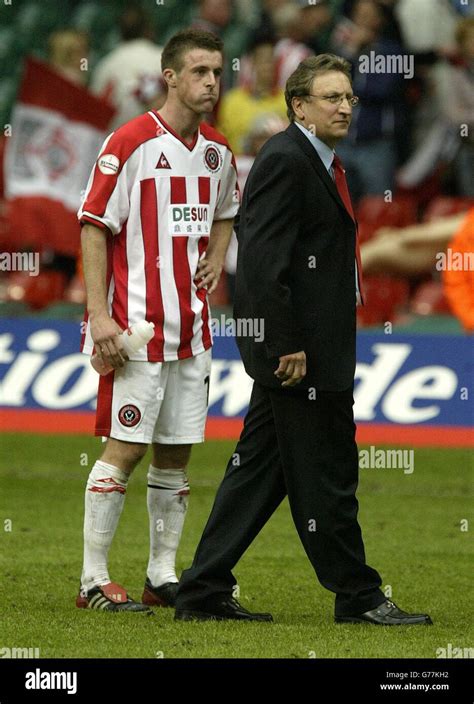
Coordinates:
120	267
150	233
182	272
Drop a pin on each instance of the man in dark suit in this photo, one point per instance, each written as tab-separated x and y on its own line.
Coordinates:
299	272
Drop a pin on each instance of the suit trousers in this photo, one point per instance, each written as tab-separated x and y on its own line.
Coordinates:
304	448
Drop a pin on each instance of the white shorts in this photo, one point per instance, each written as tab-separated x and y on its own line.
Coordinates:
163	402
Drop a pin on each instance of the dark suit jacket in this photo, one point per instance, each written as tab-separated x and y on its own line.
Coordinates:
296	268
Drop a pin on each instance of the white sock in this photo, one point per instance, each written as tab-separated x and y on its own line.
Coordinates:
167	501
105	495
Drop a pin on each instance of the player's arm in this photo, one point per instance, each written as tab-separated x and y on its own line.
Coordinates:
104	329
210	266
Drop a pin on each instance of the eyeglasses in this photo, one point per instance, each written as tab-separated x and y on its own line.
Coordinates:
338	99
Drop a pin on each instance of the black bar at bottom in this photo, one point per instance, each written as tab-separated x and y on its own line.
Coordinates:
91	681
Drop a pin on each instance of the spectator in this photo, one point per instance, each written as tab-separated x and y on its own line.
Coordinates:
130	76
262	128
39	212
317	16
240	106
456	101
266	25
290	49
408	251
213	16
391	29
67	49
448	138
427	25
369	155
247	13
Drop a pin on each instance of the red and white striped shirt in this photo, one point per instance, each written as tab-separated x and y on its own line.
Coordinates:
159	196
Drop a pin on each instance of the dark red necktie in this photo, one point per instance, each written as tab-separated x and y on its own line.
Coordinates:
341	185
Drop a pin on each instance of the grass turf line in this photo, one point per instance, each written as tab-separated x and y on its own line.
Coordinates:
411	526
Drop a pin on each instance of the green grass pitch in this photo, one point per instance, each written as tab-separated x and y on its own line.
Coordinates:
414	529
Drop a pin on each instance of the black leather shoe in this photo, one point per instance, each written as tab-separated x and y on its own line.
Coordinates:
387	614
164	595
220	608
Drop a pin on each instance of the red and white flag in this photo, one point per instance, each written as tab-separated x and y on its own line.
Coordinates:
57	130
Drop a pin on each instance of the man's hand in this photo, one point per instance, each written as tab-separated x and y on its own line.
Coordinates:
105	333
292	368
208	273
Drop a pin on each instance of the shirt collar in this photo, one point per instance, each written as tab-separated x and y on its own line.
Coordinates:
325	153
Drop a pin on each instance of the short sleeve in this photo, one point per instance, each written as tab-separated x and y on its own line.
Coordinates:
229	195
107	197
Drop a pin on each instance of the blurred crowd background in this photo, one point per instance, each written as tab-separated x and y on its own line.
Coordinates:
409	157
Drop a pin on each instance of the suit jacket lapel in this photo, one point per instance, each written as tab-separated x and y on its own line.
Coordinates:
303	142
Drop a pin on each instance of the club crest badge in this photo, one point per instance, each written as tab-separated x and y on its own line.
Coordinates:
212	159
129	415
